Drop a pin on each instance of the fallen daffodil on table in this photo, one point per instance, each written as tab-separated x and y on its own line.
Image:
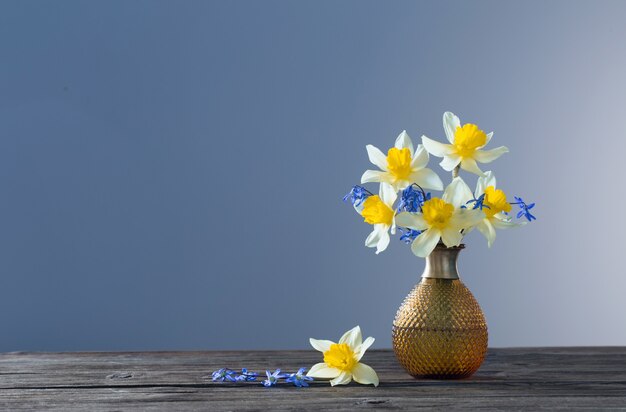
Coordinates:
402	166
342	360
465	148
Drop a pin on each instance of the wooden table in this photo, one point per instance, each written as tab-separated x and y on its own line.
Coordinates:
510	379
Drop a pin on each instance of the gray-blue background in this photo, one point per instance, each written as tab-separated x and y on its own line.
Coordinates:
171	172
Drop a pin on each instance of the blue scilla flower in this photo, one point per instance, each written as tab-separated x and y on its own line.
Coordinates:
412	199
246	376
223	374
272	378
299	379
478	203
409	235
357	195
524	209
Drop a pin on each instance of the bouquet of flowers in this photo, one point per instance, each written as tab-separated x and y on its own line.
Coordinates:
423	219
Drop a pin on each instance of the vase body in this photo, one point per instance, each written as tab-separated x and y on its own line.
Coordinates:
440	331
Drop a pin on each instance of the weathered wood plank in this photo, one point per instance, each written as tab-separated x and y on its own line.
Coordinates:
510	379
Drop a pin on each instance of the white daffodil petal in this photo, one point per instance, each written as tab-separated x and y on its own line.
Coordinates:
504	224
425	242
376	157
471	166
399	185
435	148
372	239
321	370
420	157
374	176
503	216
467	218
387	194
404	141
486	228
320	344
352	337
364	346
450	123
489	136
383	242
411	220
457	193
343	379
488	156
451	236
489	179
427	179
365	375
450	161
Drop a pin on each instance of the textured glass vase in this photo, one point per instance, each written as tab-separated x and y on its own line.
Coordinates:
440	330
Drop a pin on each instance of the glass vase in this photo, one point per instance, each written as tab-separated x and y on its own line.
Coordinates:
440	331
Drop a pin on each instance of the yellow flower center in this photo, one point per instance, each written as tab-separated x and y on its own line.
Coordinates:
496	200
437	212
340	356
468	138
376	211
399	163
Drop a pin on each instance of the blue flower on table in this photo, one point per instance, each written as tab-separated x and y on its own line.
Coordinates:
299	378
223	374
272	378
246	376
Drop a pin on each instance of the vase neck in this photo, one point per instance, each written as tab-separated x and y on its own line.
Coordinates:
441	263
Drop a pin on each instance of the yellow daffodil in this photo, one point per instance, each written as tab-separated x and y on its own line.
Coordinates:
342	360
465	148
441	218
377	210
402	166
495	206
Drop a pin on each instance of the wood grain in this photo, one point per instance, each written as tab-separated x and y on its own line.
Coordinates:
510	379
